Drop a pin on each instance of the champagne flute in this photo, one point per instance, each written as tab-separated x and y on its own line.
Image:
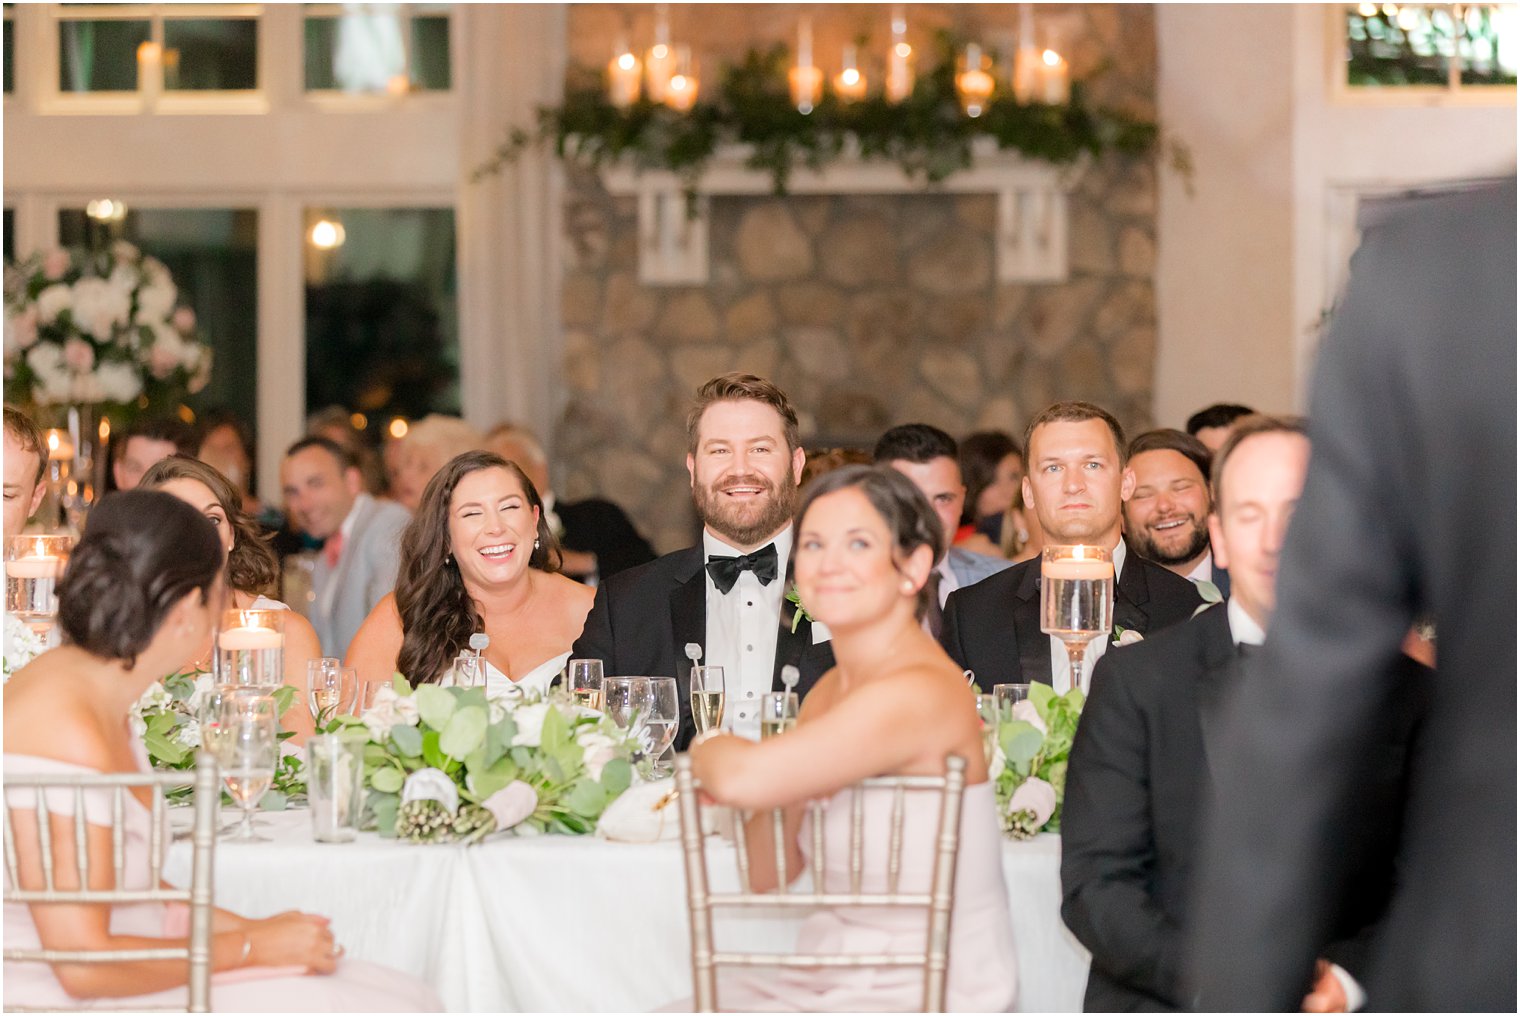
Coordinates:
330	689
247	749
663	722
988	712
1076	598
707	698
585	680
469	671
778	713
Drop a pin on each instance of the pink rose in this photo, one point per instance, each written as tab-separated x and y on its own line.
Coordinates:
78	355
25	324
184	320
1036	796
54	263
162	360
1025	710
511	804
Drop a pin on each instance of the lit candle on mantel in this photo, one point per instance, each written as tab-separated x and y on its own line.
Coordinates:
899	67
623	73
973	83
806	79
60	448
850	83
661	57
242	639
150	72
681	90
1055	79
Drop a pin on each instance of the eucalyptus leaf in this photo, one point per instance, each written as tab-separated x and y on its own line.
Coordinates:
1041	694
466	732
434	705
401	684
384	809
471	697
481	784
617	775
273	800
556	732
586	798
387	780
1021	742
432	753
408	740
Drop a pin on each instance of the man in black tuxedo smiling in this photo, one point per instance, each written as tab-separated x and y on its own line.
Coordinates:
727	594
1076	483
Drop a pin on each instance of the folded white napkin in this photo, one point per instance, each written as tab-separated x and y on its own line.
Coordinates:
649	813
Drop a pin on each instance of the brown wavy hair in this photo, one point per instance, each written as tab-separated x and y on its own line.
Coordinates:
438	615
252	566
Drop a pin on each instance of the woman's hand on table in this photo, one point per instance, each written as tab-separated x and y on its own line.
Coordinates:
293	939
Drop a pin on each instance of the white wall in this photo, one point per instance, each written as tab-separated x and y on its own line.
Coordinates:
1247	265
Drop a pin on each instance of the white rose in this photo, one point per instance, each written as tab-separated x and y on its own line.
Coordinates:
530	724
123	252
22	645
53	380
387	710
511	804
1036	796
100	307
598	749
188	734
155	302
86	388
119	382
431	785
1128	637
204	685
52	301
1026	711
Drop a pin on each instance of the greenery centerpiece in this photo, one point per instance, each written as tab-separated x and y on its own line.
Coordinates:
1029	761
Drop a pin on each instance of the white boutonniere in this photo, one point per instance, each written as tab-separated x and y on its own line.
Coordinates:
795	599
1126	636
1210	594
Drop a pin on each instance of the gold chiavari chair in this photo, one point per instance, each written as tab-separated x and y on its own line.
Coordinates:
936	902
29	793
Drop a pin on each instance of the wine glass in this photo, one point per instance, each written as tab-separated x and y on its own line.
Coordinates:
247	749
1007	696
778	713
707	698
627	700
664	720
1076	598
330	689
585	680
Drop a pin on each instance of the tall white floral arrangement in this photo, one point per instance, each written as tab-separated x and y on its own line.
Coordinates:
101	327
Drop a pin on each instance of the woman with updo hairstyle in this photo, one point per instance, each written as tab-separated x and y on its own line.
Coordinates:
893	705
251	569
477	558
141	594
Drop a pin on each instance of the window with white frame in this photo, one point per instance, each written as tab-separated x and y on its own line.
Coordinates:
170	48
1393	48
386	49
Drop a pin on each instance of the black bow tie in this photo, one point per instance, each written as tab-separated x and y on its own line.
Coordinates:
725	570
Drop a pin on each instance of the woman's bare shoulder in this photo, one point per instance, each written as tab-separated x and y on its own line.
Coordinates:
571	594
44	718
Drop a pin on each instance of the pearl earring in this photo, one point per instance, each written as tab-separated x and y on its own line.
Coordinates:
907	585
535	543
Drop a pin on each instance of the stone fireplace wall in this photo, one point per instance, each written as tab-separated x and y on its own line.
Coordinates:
868	311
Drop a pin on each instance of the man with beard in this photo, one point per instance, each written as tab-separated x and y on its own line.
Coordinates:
1166	518
728	594
1076	481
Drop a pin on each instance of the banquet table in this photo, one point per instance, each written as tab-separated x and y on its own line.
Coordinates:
561	923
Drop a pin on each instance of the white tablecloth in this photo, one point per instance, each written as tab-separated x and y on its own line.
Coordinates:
559	923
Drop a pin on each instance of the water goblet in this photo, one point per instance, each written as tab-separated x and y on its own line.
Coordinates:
707	698
663	722
247	750
1008	696
585	680
628	702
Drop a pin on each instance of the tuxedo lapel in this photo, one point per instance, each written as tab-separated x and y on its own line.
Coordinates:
1219	670
790	645
688	623
1131	596
1033	644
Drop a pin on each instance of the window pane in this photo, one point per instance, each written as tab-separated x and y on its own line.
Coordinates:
378	49
1389	45
382	327
210	54
212	253
99	56
1488	45
10	52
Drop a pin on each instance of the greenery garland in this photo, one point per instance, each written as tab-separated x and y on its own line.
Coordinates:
927	134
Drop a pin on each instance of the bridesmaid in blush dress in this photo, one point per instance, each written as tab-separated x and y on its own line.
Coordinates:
137	601
894	705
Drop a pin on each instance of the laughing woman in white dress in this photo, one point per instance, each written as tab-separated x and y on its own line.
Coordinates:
477	557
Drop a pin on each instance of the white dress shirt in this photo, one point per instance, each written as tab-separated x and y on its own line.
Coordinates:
1060	663
741	633
1245	631
1204	572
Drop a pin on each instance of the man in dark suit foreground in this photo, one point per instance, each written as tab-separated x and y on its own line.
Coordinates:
727	594
1076	482
1409	509
1138	777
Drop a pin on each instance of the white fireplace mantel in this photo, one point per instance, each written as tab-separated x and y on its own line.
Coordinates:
1030	237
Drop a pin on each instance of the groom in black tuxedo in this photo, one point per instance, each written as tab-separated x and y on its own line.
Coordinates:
1076	482
728	594
1140	769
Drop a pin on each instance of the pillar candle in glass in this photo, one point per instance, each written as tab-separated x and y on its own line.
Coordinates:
681	90
623	75
33	565
806	80
899	84
660	58
250	649
973	84
1076	598
850	82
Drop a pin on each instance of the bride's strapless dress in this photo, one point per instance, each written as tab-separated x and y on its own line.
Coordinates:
534	682
982	967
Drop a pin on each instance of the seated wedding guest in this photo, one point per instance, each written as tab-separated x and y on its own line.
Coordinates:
728	594
993	466
144	443
1138	777
428	444
337	425
1076	482
226	445
140	597
927	456
477	557
25	466
1166	519
324	494
826	460
894	705
1211	424
252	569
597	539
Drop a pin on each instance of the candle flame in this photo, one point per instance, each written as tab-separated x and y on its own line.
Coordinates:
903	50
1051	57
660	51
626	61
850	76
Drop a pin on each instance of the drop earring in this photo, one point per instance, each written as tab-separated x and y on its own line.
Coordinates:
535	543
